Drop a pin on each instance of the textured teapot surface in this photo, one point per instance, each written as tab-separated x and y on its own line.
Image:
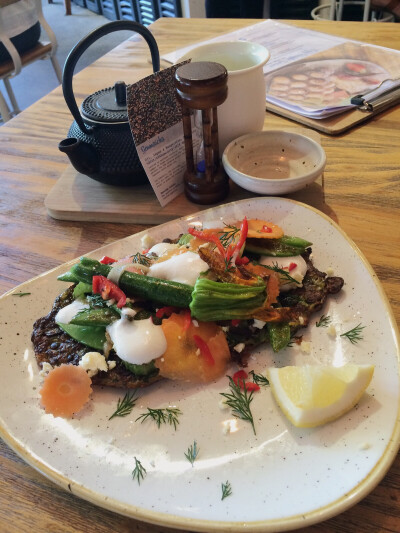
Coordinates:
118	160
100	143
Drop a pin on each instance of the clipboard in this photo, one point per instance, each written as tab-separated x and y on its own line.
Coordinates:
368	106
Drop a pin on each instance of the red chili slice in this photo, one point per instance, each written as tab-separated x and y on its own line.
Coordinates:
204	349
252	387
107	260
187	320
108	290
292	266
208	237
239	378
242	260
266	229
165	311
235	322
244	228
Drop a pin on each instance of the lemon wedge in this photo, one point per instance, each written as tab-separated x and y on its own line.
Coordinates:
312	395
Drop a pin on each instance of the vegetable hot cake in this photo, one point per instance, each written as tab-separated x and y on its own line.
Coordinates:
185	308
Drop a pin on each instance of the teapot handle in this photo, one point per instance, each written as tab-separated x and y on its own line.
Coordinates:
84	44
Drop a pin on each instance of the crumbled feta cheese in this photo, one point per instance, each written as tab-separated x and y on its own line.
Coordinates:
301	320
46	368
329	271
127	311
225	328
226	427
239	347
259	324
92	362
147	241
305	346
111	364
195	323
331	331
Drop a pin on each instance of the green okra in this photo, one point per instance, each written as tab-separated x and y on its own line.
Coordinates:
279	335
285	246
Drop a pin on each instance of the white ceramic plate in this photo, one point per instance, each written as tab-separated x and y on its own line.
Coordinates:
282	477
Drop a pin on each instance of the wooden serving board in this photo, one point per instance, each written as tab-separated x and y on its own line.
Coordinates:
77	197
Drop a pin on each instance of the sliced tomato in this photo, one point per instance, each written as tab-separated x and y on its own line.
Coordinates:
188	360
108	290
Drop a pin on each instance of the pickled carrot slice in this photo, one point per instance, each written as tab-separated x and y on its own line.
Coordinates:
65	390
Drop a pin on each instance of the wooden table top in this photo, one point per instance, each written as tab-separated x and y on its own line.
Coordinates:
361	193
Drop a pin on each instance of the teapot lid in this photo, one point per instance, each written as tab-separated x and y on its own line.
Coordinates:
107	105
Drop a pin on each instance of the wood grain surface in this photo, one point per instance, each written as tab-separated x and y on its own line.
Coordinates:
359	190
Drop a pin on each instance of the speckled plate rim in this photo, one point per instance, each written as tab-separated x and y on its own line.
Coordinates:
337	506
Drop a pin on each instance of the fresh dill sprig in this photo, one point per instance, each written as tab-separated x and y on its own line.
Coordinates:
284	273
141	259
21	294
354	335
125	406
162	416
139	471
192	453
239	401
323	322
259	379
228	236
226	490
228	265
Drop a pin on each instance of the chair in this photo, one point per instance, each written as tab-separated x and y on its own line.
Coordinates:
361	8
11	68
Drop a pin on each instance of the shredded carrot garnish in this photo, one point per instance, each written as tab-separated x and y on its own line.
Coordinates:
65	390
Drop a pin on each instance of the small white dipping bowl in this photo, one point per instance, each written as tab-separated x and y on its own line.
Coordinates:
273	161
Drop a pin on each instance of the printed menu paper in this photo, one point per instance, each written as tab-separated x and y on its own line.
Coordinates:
311	73
155	119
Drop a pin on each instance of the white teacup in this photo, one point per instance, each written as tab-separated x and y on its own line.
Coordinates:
244	109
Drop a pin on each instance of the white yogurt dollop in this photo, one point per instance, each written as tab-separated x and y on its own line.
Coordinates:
67	313
137	341
184	268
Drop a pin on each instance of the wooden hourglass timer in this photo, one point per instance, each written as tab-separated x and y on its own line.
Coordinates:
202	86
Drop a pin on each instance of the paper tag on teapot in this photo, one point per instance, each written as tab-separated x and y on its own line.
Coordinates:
155	120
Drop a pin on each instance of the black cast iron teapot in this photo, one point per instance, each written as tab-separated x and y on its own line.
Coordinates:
100	143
